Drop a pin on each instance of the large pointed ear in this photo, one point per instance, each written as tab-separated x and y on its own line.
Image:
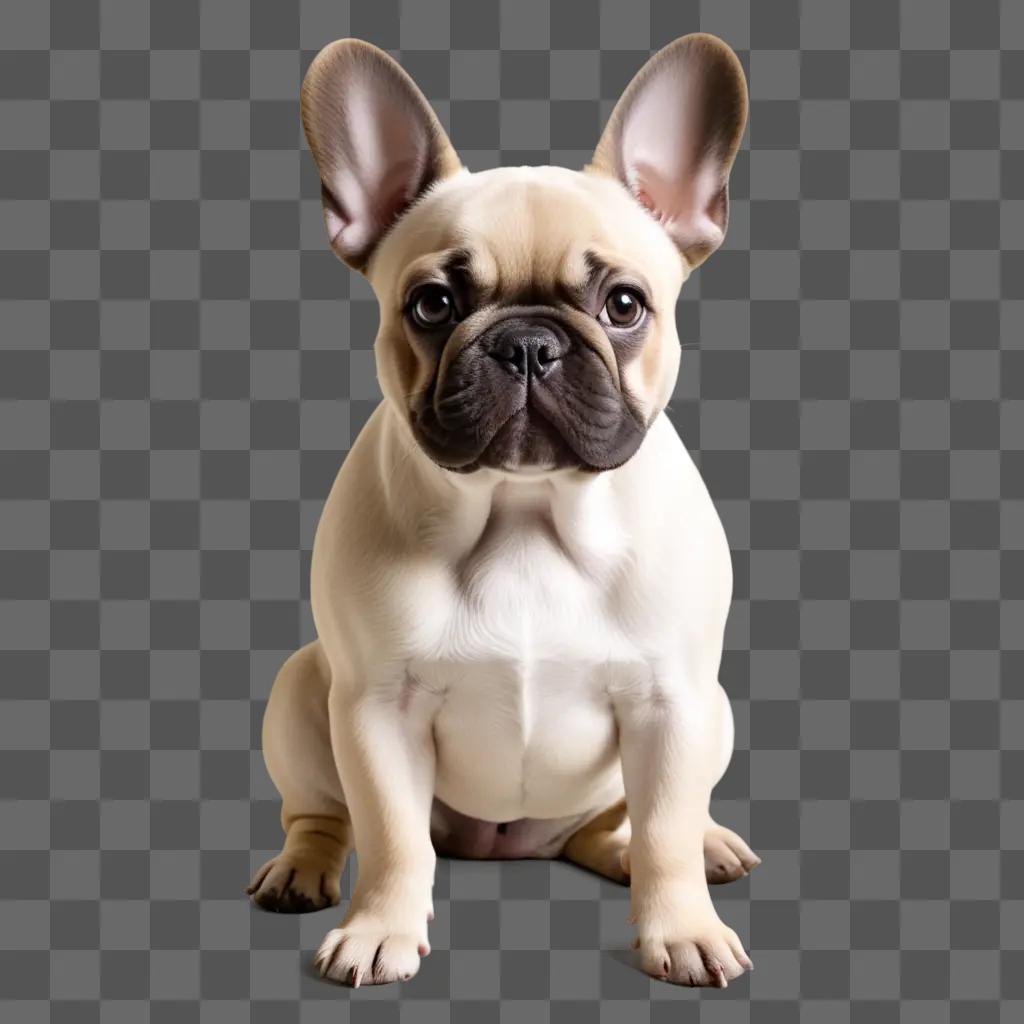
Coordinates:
376	142
673	136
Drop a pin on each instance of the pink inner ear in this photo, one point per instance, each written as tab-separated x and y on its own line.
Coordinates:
669	160
375	164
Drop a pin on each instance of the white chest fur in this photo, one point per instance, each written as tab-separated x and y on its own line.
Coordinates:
524	659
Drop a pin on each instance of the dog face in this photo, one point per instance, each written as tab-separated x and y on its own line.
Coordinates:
527	314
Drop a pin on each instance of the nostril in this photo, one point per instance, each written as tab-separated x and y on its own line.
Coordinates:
506	351
526	355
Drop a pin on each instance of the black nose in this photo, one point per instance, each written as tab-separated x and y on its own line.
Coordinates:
528	354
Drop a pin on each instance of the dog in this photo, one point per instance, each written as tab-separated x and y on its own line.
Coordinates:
519	582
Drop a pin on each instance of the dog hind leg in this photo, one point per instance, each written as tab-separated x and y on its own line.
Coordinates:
306	874
601	844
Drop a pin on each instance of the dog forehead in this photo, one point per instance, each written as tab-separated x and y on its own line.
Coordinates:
500	204
523	223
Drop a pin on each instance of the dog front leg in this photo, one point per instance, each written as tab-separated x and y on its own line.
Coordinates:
669	750
385	759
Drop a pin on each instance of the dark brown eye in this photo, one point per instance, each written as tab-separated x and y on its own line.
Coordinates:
432	305
623	308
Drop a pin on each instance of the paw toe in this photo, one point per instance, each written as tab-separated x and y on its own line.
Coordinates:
288	888
360	957
709	961
726	856
722	870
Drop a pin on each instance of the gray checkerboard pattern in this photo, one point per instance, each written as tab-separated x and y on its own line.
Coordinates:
184	365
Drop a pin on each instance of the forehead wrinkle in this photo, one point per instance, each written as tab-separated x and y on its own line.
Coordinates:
532	236
423	268
531	233
578	277
577	268
470	268
527	262
618	263
453	263
473	260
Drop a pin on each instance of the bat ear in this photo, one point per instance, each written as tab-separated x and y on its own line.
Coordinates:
673	136
377	143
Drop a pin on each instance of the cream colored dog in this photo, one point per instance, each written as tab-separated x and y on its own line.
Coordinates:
519	582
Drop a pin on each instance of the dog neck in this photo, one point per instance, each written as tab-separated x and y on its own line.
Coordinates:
457	511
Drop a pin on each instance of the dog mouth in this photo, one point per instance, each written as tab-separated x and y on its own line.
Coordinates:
528	441
527	396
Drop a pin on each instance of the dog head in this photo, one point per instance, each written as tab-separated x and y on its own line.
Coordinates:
527	314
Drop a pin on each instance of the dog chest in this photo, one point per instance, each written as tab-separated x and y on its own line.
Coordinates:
524	660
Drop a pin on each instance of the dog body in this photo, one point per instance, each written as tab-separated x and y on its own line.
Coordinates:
517	613
519	582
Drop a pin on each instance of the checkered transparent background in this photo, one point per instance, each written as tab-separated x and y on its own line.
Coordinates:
183	365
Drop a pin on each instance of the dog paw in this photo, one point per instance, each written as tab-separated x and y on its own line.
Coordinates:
294	885
726	856
370	951
707	954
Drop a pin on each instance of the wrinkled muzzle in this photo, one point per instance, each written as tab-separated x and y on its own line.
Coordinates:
526	390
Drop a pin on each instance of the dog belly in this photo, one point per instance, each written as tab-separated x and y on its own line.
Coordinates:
459	835
521	740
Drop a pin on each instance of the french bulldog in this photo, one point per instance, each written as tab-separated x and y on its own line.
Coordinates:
519	582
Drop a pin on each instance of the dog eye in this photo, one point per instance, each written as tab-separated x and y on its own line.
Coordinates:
432	305
623	308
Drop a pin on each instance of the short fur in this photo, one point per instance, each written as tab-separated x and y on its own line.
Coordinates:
519	582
